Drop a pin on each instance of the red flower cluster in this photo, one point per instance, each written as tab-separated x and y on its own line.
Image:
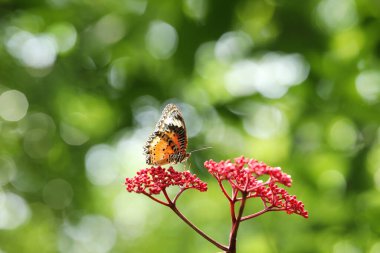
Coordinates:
276	198
155	179
245	178
243	175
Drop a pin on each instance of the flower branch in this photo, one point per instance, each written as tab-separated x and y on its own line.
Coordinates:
244	177
204	235
155	180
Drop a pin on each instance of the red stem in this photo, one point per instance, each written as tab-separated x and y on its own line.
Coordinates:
235	225
268	209
167	197
232	183
255	214
234	194
224	190
178	194
180	215
155	199
236	222
171	204
232	211
232	205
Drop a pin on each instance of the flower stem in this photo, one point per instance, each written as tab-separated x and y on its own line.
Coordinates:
232	211
172	205
155	199
178	194
180	215
232	205
255	214
235	225
268	209
223	190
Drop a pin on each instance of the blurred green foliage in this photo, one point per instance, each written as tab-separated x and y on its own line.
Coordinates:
293	83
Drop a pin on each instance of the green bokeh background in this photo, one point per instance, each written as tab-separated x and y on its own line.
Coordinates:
293	83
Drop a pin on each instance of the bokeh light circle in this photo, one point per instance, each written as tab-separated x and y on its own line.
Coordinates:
13	105
161	40
14	210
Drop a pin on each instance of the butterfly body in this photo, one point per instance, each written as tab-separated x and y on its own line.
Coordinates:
168	143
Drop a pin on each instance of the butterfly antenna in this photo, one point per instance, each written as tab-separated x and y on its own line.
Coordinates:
199	149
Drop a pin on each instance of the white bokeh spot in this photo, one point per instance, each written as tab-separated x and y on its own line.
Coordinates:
161	40
13	105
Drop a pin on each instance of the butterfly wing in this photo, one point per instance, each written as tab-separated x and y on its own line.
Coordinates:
158	150
174	125
168	143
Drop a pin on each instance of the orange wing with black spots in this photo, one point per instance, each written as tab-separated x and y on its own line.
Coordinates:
168	143
158	150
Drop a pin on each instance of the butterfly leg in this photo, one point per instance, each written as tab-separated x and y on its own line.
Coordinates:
187	165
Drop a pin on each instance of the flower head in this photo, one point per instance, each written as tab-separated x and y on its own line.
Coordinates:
244	172
155	179
245	175
277	198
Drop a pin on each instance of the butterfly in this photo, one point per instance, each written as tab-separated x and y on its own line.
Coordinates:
168	143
